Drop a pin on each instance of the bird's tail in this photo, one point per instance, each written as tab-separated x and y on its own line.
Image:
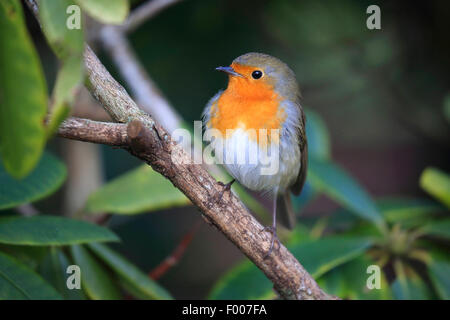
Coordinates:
285	211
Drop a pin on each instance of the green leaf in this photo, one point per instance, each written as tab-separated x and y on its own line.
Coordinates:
43	181
30	256
139	190
411	288
54	269
68	43
23	94
407	211
440	277
106	11
18	282
436	183
126	270
318	136
341	187
321	255
50	230
69	79
349	281
246	281
438	228
95	279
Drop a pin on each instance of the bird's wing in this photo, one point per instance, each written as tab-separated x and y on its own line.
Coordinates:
298	185
206	115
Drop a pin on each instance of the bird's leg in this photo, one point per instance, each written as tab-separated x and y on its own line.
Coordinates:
273	228
227	187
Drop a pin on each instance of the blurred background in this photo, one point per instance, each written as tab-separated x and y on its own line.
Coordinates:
383	96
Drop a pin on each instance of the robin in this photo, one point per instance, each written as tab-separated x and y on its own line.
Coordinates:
263	96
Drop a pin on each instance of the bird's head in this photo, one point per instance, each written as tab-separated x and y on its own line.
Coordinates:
257	75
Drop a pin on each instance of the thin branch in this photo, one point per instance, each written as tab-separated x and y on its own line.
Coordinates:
143	89
151	143
176	255
145	12
112	134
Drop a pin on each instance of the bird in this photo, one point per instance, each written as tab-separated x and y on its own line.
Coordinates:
262	96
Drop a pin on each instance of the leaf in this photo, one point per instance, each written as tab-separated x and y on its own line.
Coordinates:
126	270
70	76
438	228
23	94
43	181
18	282
54	269
106	11
307	195
95	279
321	255
139	190
30	256
407	211
410	289
317	135
349	281
246	281
338	185
440	277
51	230
437	184
68	45
408	285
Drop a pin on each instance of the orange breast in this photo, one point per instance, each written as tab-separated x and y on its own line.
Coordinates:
247	104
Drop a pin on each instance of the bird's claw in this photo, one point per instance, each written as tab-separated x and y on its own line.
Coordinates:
227	187
273	231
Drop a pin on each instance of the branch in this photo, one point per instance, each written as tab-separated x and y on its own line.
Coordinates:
151	143
154	146
176	255
145	12
143	89
111	134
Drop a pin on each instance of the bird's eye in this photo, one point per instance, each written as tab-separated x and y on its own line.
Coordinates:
257	74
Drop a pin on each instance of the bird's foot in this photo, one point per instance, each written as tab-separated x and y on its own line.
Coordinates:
274	238
226	188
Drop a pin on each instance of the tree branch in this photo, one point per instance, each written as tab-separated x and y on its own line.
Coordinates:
111	134
143	89
154	146
151	143
145	12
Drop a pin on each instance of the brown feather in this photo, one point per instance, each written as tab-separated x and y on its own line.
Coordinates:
303	144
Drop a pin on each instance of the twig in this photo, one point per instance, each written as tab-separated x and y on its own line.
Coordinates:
143	89
112	134
145	12
175	256
151	143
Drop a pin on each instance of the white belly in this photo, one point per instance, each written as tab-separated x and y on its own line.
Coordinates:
256	167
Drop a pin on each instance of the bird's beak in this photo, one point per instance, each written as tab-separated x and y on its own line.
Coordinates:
230	71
